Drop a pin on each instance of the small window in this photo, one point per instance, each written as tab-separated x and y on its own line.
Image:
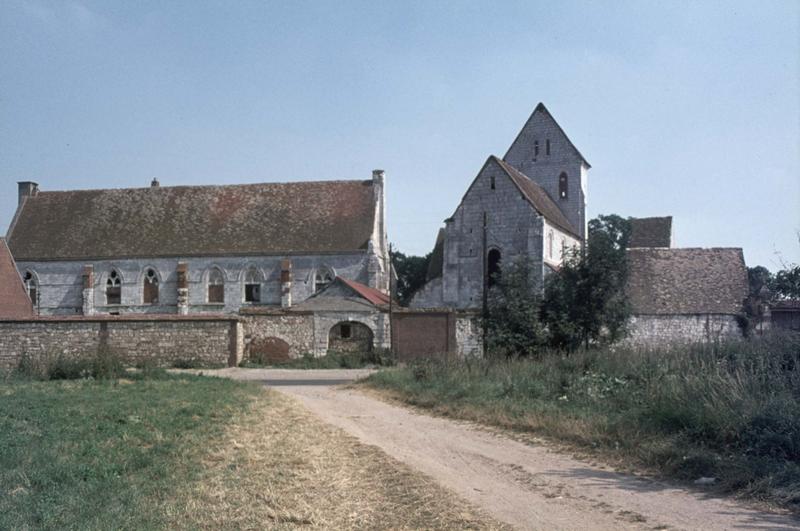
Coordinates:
114	288
252	286
563	248
216	287
32	287
491	182
547	147
563	186
150	288
550	244
346	331
493	267
322	279
535	149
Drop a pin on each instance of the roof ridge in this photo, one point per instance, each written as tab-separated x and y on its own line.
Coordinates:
540	107
155	188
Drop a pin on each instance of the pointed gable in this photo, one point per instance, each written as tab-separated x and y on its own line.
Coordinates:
14	301
540	119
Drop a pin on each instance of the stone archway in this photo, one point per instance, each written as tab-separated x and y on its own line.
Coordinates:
350	336
268	350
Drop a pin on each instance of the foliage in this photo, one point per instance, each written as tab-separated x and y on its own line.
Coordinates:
726	411
331	360
59	365
585	301
411	272
786	283
513	327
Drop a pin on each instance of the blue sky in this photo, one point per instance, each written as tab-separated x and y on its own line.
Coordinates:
684	108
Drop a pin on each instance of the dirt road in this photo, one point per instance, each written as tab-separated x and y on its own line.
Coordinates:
527	486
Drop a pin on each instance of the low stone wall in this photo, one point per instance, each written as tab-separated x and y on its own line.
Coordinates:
469	335
164	340
654	330
296	329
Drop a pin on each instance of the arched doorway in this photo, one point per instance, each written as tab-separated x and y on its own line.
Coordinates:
268	350
493	267
350	336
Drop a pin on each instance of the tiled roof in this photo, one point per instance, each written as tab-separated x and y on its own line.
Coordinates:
14	301
686	281
344	295
538	197
436	263
248	219
373	295
651	232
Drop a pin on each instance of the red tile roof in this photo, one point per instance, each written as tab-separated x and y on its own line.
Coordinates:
248	219
14	301
373	295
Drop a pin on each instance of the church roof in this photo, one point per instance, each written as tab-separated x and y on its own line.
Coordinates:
540	108
436	263
14	301
538	197
686	281
651	232
248	219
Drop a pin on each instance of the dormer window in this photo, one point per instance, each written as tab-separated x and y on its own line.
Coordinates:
114	288
150	287
322	278
563	186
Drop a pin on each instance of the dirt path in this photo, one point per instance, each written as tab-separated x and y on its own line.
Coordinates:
530	487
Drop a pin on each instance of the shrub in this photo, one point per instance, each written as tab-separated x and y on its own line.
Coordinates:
59	365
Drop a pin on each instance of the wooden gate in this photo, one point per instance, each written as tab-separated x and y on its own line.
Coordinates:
423	335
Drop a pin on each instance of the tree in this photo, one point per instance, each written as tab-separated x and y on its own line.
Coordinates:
585	301
786	284
411	273
512	323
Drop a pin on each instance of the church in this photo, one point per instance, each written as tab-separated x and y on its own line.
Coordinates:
531	203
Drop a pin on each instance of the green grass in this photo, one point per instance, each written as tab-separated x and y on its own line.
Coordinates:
105	454
331	360
731	412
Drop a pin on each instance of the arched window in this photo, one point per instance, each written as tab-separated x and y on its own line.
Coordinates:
150	287
252	285
493	267
31	286
550	244
114	288
216	286
322	278
563	186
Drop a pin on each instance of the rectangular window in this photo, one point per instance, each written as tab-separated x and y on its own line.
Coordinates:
216	293
547	147
492	182
346	331
252	293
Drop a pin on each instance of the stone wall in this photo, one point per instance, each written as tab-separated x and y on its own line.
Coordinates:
296	329
665	329
469	335
164	340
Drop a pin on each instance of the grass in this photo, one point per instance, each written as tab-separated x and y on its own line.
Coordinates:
153	450
730	412
331	360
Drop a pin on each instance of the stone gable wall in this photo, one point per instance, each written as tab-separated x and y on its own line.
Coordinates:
212	342
513	227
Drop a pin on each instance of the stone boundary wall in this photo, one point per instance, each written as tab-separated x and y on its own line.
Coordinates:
654	330
163	340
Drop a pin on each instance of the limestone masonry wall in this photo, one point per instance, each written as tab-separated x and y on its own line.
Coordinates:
209	342
666	329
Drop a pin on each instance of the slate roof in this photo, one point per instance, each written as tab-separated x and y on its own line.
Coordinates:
538	197
181	221
651	232
686	281
14	301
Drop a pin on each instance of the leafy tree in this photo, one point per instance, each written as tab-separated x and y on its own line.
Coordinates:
786	283
585	301
411	272
513	327
760	281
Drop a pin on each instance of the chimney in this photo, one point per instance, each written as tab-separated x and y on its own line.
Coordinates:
377	176
27	189
286	283
154	183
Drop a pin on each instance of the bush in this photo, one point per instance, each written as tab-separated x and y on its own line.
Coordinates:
58	365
